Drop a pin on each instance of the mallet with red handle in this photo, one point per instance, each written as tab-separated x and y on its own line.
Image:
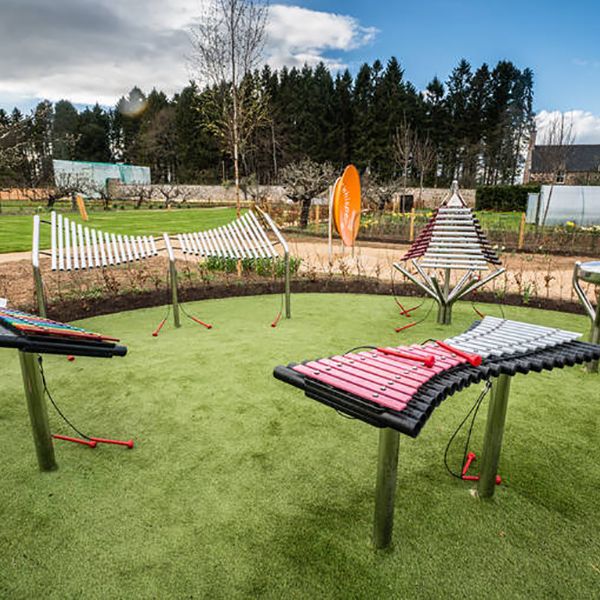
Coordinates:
90	443
428	360
157	330
473	359
128	443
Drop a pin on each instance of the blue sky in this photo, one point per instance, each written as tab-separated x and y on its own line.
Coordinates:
560	41
96	50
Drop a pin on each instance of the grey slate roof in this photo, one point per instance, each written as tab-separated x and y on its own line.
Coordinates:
579	158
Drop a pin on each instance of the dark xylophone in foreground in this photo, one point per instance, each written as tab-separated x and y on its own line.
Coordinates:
400	387
30	333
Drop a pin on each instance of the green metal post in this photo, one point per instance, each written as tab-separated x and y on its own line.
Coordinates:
39	291
174	300
494	430
288	303
38	415
385	491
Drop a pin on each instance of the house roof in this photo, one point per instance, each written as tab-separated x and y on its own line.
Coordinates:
578	157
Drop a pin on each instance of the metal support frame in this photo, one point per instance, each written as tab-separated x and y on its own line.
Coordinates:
444	296
173	277
593	313
494	431
385	490
38	414
286	258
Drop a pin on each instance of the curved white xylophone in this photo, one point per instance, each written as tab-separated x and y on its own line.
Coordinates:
452	240
75	247
249	237
398	388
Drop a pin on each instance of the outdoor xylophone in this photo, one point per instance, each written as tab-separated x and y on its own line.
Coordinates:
398	388
33	335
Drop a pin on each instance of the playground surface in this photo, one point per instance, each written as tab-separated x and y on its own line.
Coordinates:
240	486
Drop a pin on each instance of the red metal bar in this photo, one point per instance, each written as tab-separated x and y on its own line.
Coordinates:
49	330
128	443
90	443
473	359
428	360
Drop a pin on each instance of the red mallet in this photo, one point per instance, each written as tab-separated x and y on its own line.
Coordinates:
70	358
207	325
90	443
470	458
473	359
276	320
428	360
399	329
476	478
128	443
157	330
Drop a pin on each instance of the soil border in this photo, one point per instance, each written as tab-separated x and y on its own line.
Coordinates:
80	308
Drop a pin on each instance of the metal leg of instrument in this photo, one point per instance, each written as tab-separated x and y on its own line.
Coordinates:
494	430
174	299
38	415
594	314
385	491
288	295
39	291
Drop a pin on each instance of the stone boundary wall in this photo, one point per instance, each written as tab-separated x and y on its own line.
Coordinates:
219	194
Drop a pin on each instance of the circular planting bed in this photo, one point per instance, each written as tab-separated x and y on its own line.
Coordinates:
240	486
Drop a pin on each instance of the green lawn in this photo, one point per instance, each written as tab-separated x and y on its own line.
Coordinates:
15	231
241	487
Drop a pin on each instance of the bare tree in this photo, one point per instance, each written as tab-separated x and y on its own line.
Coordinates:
378	193
169	192
305	180
139	193
553	153
228	43
425	156
404	149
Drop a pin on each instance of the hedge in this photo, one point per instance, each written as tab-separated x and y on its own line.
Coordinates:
504	197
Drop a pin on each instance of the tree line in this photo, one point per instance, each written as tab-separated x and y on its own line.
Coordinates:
475	126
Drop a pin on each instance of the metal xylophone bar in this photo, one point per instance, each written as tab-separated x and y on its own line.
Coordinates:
398	394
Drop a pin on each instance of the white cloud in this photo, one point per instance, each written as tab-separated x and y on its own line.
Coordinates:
586	125
95	50
299	35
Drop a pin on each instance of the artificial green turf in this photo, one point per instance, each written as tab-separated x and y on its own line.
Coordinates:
241	487
15	230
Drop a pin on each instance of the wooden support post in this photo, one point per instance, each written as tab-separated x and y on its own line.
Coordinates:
317	216
494	430
411	231
174	298
38	414
385	490
521	232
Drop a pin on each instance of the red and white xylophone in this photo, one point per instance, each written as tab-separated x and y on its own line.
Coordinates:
399	387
